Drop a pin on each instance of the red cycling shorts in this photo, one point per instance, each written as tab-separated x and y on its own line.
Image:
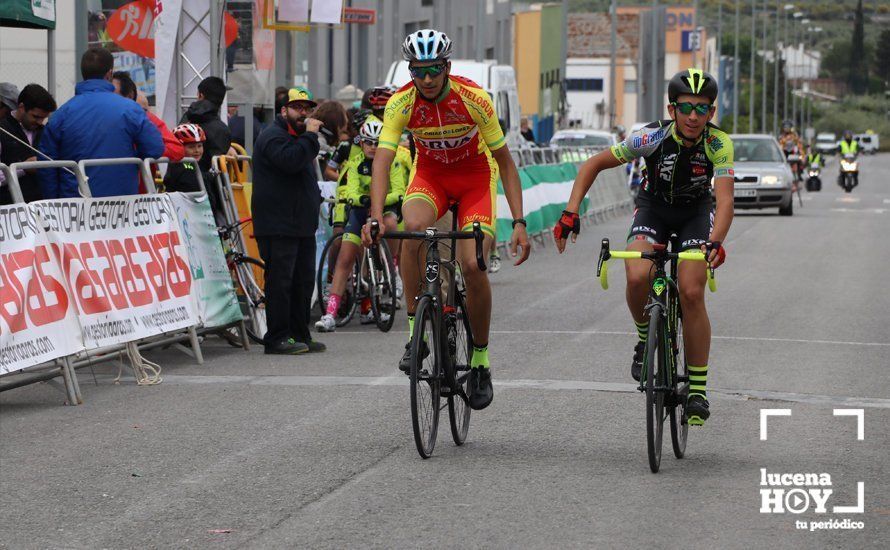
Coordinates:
471	184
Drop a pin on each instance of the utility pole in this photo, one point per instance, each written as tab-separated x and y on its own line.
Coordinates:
613	46
763	76
737	81
480	24
695	32
720	81
751	76
776	72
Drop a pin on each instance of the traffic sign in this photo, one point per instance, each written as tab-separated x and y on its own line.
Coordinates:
359	16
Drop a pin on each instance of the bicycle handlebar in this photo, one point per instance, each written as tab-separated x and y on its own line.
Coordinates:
434	234
602	267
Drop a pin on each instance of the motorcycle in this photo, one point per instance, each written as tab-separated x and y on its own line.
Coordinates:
814	181
849	172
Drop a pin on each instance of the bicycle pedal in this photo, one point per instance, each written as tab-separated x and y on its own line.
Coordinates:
695	421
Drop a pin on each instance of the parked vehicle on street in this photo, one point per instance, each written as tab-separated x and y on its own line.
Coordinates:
826	143
868	142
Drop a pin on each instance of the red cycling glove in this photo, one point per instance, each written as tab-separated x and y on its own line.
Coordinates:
570	222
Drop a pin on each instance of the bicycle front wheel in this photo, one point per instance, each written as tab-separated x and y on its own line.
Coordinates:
251	297
425	377
654	367
460	349
383	289
679	426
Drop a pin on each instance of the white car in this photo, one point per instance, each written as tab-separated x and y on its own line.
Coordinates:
583	138
762	176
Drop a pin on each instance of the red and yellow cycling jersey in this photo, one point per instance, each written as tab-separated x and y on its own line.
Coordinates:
460	125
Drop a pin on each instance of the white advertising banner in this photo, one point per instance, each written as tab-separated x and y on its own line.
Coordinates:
125	264
38	322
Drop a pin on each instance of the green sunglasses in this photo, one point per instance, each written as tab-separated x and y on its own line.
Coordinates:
432	70
687	107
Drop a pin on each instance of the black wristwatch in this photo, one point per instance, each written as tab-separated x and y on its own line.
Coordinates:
520	220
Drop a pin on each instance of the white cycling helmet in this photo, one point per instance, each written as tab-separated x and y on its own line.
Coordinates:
371	130
426	45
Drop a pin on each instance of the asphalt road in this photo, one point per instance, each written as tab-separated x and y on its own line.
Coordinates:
252	451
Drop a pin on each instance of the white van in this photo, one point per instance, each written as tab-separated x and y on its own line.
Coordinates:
498	80
868	142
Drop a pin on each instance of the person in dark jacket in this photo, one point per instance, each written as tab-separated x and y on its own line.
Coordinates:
285	208
205	113
23	126
238	127
97	123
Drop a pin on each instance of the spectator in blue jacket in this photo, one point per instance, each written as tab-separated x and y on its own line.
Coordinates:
97	123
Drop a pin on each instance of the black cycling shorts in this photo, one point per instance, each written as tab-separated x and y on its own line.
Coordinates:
655	221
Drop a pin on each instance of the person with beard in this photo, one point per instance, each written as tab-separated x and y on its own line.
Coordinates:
285	208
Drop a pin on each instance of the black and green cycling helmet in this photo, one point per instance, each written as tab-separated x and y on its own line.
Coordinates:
692	82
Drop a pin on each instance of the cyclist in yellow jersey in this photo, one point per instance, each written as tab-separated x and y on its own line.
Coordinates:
460	147
357	193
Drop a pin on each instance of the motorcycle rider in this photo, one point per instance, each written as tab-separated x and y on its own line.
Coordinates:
849	149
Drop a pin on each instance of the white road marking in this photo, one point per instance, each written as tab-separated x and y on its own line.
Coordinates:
861	210
547	385
628	333
848	199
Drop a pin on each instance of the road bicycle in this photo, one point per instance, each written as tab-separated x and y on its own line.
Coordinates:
665	376
442	343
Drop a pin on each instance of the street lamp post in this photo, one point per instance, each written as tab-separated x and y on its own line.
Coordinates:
763	75
798	15
751	72
776	72
735	74
785	24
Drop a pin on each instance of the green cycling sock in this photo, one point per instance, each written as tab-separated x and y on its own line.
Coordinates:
698	379
480	357
642	330
410	326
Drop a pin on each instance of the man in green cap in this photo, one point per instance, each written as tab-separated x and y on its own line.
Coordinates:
285	207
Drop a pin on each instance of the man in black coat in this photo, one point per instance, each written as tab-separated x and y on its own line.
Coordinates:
285	207
22	126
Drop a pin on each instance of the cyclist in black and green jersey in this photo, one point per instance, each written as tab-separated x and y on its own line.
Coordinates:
682	155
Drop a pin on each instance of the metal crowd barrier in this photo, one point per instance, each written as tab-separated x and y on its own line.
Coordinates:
63	366
149	162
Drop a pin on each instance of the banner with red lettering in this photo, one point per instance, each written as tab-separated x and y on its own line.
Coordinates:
125	264
37	320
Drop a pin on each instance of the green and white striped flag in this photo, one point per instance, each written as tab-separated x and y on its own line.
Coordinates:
545	193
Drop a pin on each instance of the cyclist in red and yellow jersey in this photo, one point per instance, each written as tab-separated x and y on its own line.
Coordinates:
460	149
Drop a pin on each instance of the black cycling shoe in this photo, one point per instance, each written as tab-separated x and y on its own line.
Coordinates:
697	410
636	368
480	391
405	362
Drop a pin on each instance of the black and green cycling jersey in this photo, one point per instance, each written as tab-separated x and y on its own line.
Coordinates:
674	173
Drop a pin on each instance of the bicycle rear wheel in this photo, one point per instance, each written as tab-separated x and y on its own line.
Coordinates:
250	296
460	349
425	377
383	289
679	426
654	366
